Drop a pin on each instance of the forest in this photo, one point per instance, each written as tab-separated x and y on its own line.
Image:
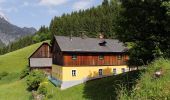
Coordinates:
143	24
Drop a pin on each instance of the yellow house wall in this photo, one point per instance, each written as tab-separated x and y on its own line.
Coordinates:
65	73
57	72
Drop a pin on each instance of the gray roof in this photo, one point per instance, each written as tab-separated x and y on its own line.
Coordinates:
78	44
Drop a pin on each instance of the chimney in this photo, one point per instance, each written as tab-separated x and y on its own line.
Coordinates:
83	36
101	36
102	40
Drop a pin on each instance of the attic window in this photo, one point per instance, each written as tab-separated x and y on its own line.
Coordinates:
102	43
101	57
74	57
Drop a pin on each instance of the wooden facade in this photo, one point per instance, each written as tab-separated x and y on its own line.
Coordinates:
44	51
87	58
93	59
42	58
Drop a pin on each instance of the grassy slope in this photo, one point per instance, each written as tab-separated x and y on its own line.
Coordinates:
11	88
149	87
17	60
100	89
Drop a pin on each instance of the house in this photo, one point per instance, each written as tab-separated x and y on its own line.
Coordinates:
79	59
42	58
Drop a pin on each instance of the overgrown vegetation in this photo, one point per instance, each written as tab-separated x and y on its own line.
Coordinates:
25	72
150	87
3	74
34	79
145	24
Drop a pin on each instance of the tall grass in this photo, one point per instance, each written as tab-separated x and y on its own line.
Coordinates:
150	87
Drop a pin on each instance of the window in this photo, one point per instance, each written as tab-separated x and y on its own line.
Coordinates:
123	70
100	72
73	72
114	71
119	57
74	57
101	57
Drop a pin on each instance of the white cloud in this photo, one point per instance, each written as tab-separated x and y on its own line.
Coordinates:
52	2
82	4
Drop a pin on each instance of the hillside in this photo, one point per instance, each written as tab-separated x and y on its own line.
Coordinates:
91	21
17	60
149	86
13	63
1	44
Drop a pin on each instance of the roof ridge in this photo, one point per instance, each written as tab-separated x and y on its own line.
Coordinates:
84	38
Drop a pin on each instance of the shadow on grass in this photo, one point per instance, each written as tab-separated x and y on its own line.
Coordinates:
107	88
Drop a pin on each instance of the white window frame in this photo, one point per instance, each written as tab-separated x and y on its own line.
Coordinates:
123	70
100	72
114	71
74	57
74	73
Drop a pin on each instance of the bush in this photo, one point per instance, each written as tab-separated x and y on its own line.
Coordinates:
49	96
24	73
42	90
34	79
3	74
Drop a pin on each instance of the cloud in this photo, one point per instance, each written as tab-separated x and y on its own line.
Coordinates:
52	2
82	4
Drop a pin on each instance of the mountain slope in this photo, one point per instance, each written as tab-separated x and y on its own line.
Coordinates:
10	32
1	44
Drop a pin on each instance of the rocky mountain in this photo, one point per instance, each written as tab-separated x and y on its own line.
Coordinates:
10	32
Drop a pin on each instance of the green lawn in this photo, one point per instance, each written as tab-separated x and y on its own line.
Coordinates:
17	60
99	89
11	88
14	91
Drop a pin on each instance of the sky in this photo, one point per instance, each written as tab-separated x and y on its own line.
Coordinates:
34	13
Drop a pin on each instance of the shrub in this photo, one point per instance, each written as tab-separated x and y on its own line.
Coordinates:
3	74
24	73
42	90
49	96
34	79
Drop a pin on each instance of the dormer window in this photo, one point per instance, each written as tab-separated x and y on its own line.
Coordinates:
102	43
74	57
